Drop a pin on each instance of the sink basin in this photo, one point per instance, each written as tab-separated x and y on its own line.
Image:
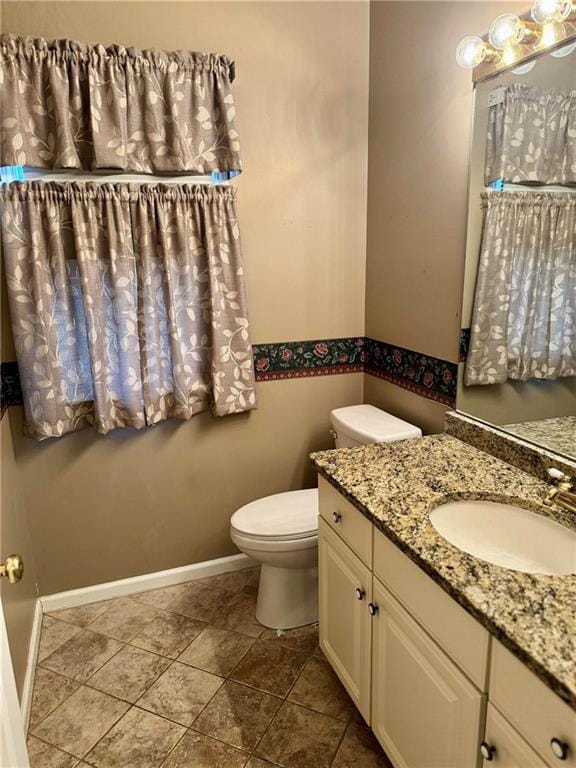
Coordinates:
507	535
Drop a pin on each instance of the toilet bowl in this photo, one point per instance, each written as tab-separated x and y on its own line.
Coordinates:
281	531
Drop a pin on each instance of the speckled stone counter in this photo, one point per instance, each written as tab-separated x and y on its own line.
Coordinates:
555	434
396	486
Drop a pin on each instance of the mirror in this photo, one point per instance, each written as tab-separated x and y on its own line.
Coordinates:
518	339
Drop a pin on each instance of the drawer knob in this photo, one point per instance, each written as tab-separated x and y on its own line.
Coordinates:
559	749
487	751
336	516
360	593
372	609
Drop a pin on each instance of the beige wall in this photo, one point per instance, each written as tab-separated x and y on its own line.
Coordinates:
107	508
419	134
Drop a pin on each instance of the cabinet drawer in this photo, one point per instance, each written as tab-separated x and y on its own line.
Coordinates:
346	520
532	708
510	749
460	635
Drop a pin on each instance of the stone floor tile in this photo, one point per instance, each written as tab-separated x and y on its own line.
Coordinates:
257	762
77	724
181	693
201	602
124	619
82	655
237	715
216	650
129	673
139	740
303	639
82	614
270	667
43	755
160	598
359	749
168	634
319	688
234	581
239	614
300	738
54	633
195	750
50	690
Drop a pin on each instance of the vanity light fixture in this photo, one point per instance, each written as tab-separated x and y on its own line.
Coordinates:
473	51
513	38
546	11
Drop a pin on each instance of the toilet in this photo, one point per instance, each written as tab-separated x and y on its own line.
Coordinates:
281	531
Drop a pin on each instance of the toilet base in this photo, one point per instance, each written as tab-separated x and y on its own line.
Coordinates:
287	597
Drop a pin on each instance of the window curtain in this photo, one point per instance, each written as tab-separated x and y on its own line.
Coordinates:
71	105
127	304
524	317
532	137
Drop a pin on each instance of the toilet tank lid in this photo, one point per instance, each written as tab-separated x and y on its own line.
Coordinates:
368	424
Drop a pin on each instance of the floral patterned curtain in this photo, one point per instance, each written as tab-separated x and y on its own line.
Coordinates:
127	304
71	105
532	136
524	318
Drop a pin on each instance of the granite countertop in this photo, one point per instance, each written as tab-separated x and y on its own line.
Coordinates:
556	434
396	485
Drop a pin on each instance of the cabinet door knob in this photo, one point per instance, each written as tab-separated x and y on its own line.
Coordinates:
487	751
360	593
372	609
336	516
559	748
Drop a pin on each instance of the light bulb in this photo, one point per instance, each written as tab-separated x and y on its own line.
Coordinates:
471	51
546	11
552	31
507	30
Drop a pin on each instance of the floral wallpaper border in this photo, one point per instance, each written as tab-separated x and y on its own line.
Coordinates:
321	357
427	376
10	391
464	344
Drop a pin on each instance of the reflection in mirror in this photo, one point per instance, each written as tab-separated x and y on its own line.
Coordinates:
518	356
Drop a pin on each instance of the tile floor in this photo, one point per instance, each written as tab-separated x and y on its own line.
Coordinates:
185	677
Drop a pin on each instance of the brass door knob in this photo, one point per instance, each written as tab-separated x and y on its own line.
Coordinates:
13	568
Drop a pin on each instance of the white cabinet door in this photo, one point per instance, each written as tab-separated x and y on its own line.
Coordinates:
504	745
345	592
425	711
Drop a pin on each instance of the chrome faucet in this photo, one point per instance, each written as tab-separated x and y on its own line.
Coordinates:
563	492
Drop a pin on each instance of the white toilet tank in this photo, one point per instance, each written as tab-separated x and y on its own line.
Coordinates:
362	424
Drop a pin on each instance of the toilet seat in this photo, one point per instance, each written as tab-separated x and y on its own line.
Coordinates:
291	516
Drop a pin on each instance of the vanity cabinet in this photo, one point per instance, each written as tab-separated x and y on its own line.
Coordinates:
437	690
345	623
425	712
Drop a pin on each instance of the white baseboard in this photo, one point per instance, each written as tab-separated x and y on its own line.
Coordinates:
28	687
75	597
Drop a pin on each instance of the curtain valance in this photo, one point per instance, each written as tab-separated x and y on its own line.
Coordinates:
128	304
532	136
524	317
71	105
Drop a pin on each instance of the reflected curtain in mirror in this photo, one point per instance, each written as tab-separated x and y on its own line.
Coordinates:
128	304
524	317
531	136
66	104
